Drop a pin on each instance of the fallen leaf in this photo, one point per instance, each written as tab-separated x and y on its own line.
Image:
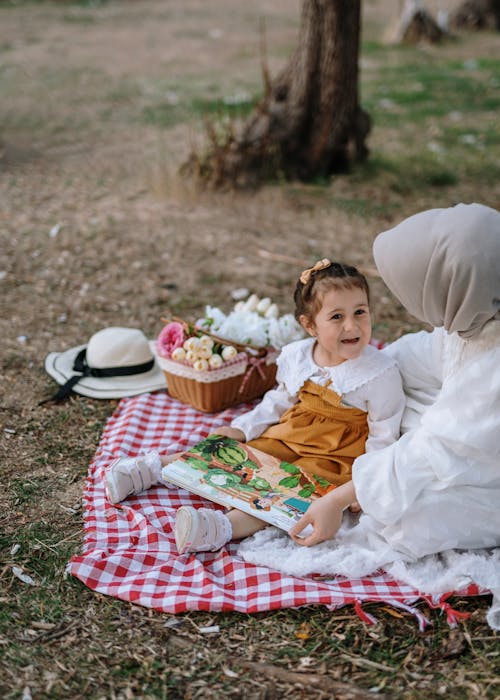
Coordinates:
453	646
392	612
229	673
211	629
304	632
43	625
25	578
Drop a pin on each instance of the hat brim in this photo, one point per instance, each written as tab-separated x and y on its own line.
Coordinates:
60	367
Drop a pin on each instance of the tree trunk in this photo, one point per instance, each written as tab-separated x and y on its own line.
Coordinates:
309	122
416	24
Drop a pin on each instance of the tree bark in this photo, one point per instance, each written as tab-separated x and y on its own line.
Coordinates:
309	123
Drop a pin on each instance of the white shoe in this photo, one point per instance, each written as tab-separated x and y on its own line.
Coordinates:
201	530
131	475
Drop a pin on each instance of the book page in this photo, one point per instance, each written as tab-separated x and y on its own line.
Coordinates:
235	475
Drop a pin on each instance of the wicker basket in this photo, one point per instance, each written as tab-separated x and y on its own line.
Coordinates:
247	377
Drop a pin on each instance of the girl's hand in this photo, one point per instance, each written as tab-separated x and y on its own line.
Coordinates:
324	516
324	519
234	433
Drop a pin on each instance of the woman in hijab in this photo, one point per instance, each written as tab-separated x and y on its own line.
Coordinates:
438	487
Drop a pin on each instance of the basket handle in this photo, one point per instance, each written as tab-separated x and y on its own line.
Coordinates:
242	347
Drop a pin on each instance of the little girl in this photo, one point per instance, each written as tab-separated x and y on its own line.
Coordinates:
337	397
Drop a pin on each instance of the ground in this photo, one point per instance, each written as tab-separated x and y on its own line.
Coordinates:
99	105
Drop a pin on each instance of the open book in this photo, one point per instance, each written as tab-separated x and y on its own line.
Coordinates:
236	475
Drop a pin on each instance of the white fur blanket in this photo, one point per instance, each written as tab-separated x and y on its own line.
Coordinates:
354	553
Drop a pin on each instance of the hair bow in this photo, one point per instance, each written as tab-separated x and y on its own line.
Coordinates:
320	265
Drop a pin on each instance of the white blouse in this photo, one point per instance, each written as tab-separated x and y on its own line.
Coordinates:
370	382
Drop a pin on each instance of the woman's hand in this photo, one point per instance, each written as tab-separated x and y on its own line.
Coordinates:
324	516
227	431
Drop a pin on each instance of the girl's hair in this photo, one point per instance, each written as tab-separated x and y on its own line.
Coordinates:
308	296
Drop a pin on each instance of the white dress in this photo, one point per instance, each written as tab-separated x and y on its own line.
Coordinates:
437	489
371	382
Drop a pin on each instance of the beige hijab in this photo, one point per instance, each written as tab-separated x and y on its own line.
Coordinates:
444	266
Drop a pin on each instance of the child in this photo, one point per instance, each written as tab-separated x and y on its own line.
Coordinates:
336	398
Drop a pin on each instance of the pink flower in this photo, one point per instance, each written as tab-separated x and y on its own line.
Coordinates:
171	337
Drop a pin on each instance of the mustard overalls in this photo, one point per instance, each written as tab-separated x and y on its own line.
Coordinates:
319	435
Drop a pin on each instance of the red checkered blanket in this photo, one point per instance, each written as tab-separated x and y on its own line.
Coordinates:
129	550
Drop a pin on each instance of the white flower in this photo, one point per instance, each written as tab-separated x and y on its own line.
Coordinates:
191	344
284	330
179	354
206	341
215	361
204	352
246	326
212	319
229	352
191	357
272	311
263	305
200	365
251	302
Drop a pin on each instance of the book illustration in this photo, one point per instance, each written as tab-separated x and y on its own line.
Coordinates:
236	475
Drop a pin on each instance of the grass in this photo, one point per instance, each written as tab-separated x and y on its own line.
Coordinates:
419	92
166	115
446	118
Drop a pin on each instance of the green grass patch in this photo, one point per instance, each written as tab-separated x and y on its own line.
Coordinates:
26	490
312	195
414	92
362	207
80	18
124	92
167	115
163	115
234	106
42	551
373	49
404	174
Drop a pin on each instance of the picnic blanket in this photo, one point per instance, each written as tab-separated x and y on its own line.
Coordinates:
129	549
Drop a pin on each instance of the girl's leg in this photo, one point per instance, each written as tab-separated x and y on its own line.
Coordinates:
274	447
243	524
166	459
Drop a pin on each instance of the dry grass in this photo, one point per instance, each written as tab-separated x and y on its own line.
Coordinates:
99	104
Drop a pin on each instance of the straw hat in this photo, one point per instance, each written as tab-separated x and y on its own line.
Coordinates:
116	362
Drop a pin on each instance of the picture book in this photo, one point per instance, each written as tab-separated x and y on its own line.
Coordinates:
236	475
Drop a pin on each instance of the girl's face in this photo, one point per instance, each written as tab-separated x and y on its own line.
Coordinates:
342	327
